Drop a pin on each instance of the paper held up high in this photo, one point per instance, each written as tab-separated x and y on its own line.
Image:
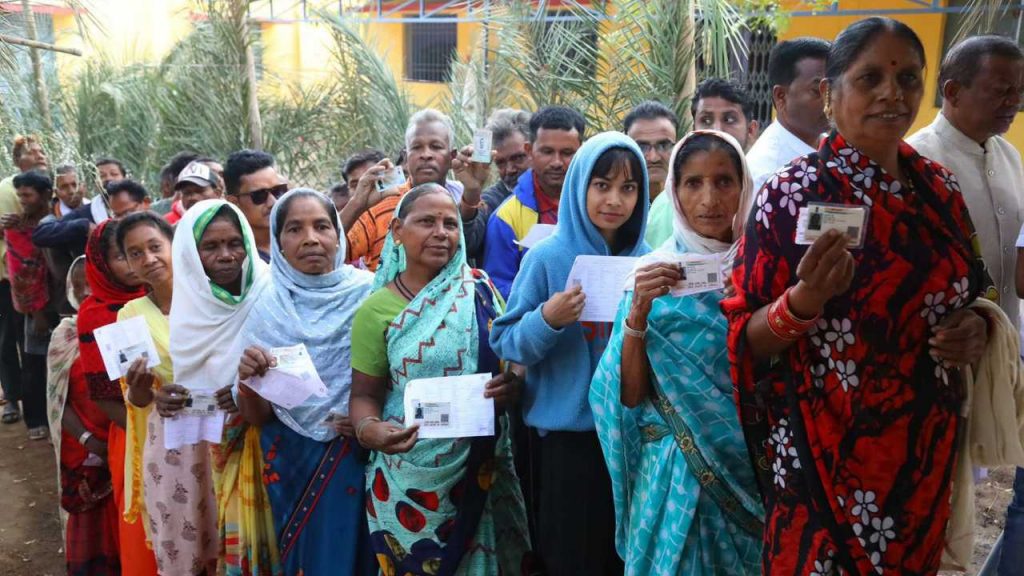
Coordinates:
602	279
292	381
451	407
121	343
537	233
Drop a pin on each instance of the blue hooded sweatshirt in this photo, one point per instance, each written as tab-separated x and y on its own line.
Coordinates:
560	363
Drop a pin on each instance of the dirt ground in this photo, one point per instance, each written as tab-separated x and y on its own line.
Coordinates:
31	544
30	538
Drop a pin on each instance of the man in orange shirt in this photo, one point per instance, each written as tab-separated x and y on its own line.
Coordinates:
366	217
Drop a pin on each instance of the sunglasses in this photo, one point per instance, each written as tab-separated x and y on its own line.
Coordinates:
259	197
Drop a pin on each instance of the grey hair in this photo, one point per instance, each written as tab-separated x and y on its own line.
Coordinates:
505	122
427	116
66	169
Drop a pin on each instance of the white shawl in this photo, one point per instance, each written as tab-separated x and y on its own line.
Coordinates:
206	322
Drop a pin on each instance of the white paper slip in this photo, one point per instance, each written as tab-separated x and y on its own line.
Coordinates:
817	218
482	142
703	274
186	430
603	279
292	381
121	343
537	233
452	407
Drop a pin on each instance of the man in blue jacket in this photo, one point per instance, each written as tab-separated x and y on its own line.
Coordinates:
556	133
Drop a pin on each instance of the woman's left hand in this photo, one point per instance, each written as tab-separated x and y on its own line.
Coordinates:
504	388
343	425
225	401
170	399
960	338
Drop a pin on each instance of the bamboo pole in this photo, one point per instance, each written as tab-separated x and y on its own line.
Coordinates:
240	12
4	38
690	84
42	96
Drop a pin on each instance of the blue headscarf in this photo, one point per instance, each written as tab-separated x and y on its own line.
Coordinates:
576	232
316	311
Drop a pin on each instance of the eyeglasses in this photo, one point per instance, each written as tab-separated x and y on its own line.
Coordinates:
659	147
259	197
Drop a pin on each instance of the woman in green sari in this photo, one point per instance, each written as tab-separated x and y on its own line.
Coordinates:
434	506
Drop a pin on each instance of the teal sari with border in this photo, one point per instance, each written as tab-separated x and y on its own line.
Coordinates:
686	498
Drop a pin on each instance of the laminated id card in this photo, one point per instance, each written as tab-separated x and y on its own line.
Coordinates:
200	404
482	142
817	218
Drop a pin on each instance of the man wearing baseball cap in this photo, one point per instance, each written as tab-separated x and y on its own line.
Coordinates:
197	182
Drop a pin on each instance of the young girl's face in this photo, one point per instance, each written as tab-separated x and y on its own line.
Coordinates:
611	199
709	193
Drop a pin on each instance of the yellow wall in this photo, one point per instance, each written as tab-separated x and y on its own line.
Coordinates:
296	51
929	27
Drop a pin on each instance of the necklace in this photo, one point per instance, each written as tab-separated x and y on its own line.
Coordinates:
403	289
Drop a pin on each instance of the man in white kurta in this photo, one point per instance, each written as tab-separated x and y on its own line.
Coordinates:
981	81
965	138
795	69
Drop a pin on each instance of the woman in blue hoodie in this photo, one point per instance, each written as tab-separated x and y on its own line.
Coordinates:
603	211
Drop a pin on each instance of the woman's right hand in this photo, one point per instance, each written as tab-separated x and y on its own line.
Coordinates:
389	438
138	377
652	281
564	308
825	271
255	362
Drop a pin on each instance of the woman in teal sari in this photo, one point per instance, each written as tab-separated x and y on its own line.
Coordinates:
434	506
686	497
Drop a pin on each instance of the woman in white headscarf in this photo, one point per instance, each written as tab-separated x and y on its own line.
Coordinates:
662	394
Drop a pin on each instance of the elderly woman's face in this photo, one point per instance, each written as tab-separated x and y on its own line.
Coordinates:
876	100
709	191
222	252
430	232
308	238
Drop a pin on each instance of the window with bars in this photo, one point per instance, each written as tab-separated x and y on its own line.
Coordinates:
760	42
429	50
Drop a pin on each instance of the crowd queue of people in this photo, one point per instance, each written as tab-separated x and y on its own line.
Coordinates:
809	419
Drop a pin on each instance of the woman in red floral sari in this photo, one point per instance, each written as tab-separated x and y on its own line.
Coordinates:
846	360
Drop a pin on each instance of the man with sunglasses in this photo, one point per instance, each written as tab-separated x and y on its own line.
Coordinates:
253	185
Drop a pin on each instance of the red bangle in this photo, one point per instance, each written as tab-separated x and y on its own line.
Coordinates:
244	390
783	323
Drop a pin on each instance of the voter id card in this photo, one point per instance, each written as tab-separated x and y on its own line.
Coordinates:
391	178
432	414
482	142
817	218
200	405
701	274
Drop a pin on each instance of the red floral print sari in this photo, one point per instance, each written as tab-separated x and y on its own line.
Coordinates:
854	428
